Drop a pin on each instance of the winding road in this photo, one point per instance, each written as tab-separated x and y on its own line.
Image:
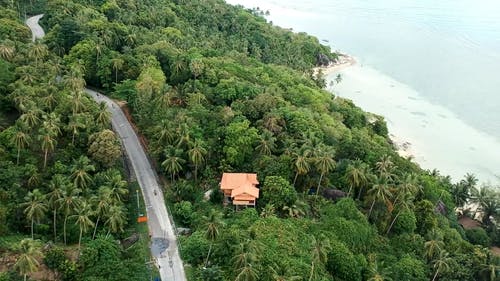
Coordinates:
163	240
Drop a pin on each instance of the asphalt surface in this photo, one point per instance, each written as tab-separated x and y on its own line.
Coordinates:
163	240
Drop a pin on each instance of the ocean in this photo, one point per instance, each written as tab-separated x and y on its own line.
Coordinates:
431	68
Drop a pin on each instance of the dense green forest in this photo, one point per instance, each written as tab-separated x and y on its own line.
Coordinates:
213	88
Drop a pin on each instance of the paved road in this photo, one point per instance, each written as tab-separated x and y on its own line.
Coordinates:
163	242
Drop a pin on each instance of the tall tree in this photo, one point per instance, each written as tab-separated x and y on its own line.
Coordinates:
302	158
7	50
117	186
117	65
319	253
80	172
27	261
356	176
68	203
441	263
196	155
49	142
488	203
103	115
56	186
34	207
380	192
82	216
20	140
266	143
116	218
101	203
213	223
75	124
173	161
324	162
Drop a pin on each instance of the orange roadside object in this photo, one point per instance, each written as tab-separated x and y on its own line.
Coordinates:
142	219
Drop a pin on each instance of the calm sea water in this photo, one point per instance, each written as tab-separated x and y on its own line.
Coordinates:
432	68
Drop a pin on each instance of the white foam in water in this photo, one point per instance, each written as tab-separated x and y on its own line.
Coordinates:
438	138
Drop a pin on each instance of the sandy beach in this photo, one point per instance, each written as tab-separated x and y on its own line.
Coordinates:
403	147
424	131
342	62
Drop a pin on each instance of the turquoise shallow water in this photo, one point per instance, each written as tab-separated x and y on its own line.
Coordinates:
430	67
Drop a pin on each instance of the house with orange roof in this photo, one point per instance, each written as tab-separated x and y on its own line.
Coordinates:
240	189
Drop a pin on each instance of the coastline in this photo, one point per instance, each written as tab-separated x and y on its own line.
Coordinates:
402	146
343	61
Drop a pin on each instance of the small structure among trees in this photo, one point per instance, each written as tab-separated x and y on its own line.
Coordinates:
240	189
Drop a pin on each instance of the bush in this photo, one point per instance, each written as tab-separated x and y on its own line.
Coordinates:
183	212
342	264
409	269
279	192
478	236
406	223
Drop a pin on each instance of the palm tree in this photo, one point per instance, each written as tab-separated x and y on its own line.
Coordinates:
31	117
74	80
461	191
268	211
385	166
281	272
247	273
197	155
488	203
117	186
48	143
37	51
266	143
319	253
27	261
375	271
440	264
324	162
80	172
490	270
82	213
116	218
34	207
184	135
103	116
243	263
196	67
302	159
52	123
77	102
296	210
101	204
404	203
173	161
433	247
164	133
7	50
213	223
380	192
76	122
56	186
68	203
356	175
117	65
20	140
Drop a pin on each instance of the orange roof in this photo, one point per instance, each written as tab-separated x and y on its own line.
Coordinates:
235	180
240	184
245	190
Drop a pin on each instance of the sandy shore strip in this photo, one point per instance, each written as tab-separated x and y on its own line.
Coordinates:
403	147
342	62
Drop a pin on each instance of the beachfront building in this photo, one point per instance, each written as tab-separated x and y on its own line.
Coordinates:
240	189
